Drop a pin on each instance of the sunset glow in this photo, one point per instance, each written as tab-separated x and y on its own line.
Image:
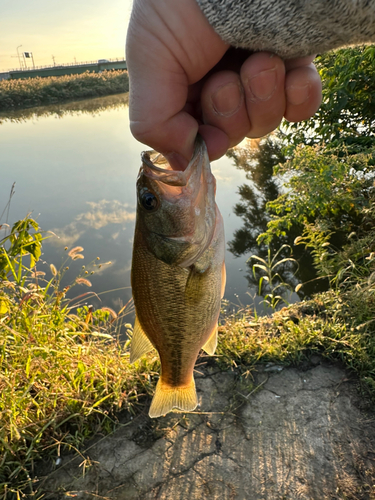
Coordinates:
62	32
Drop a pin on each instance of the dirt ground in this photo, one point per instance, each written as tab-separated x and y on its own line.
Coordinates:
302	434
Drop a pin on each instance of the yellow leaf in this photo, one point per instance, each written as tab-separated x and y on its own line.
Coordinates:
3	307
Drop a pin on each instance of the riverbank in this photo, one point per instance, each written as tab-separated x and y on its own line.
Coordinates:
20	94
65	374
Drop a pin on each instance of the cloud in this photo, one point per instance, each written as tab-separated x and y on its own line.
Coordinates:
220	177
66	237
103	267
99	215
125	269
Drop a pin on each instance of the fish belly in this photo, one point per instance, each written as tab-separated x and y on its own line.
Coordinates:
177	310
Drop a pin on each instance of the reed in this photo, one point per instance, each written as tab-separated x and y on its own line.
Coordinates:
27	93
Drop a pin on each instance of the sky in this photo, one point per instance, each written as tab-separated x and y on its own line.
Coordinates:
69	30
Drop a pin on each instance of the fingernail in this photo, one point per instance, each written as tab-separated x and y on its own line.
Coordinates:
263	85
227	99
297	94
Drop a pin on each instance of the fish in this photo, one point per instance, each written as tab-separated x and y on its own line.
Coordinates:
178	272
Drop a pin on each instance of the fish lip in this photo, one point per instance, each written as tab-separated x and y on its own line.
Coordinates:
173	177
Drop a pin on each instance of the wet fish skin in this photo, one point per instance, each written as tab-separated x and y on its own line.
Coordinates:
178	274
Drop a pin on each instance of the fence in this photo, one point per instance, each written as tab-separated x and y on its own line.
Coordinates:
67	65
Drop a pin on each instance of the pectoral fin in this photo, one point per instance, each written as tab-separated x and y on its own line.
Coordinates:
166	398
195	284
140	344
210	346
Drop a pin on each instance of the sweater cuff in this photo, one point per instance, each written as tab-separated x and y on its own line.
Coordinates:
291	28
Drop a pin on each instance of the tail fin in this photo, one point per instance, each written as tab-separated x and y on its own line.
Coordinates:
166	398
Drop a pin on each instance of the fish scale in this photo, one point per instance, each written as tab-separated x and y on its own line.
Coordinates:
177	306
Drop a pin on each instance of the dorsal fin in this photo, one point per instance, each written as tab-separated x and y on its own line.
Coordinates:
140	344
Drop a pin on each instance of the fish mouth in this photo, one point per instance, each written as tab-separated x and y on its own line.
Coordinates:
165	174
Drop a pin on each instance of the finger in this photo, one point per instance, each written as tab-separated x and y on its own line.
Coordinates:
298	62
217	141
303	89
224	107
262	77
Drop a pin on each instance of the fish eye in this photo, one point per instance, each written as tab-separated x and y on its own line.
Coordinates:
149	201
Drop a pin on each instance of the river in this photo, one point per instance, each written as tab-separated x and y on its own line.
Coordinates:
75	167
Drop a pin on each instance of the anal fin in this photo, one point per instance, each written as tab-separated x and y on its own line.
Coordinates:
166	398
140	344
210	346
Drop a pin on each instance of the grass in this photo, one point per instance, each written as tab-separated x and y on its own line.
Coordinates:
293	334
60	383
63	371
65	374
19	94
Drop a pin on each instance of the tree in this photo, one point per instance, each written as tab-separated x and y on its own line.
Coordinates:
347	114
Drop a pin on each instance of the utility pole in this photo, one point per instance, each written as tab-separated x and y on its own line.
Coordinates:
18	57
53	59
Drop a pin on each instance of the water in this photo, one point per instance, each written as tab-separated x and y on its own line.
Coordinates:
75	168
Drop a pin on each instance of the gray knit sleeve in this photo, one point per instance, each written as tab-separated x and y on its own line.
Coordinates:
291	28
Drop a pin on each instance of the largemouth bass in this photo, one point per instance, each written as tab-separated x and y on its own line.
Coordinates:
178	273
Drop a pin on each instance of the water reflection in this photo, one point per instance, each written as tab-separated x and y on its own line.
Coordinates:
97	216
258	159
88	106
75	168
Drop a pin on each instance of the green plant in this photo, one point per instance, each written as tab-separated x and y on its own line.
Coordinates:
63	369
347	114
317	238
332	187
24	239
270	277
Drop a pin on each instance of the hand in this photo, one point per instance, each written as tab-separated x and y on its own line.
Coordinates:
184	80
